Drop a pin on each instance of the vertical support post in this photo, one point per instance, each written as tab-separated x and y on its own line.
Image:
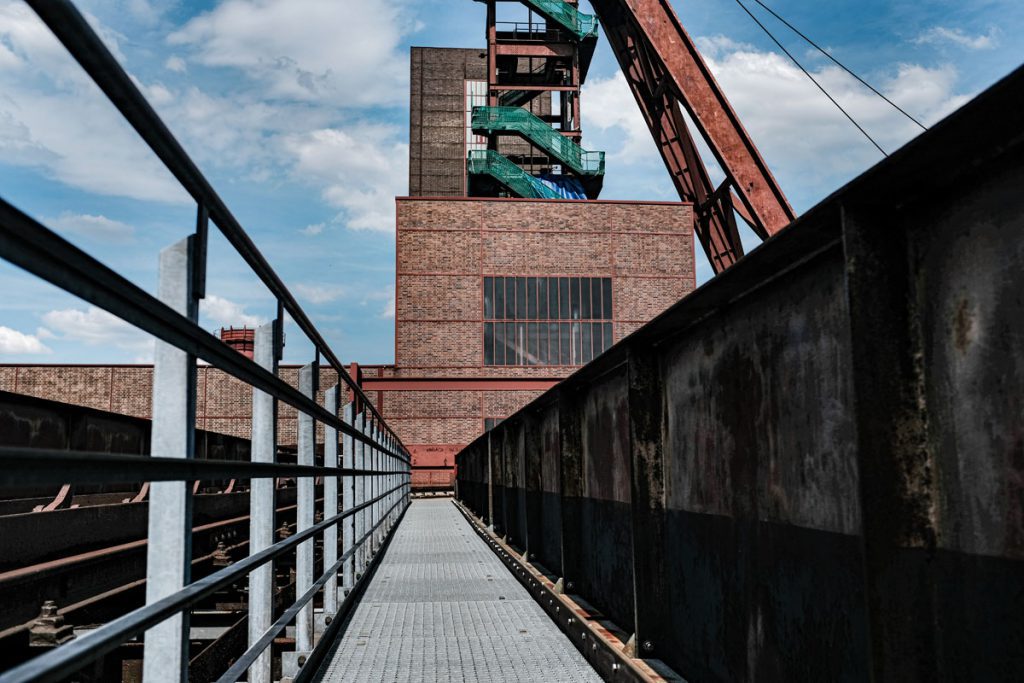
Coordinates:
261	505
360	526
169	551
896	464
348	502
490	482
331	504
306	437
571	478
646	430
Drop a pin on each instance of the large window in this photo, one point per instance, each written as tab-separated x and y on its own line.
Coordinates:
546	320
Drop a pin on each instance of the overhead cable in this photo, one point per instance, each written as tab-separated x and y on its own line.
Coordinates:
813	79
842	66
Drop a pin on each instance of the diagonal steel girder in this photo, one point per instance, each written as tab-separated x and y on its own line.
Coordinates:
666	75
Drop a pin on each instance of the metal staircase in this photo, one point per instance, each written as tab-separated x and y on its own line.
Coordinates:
519	182
492	120
579	24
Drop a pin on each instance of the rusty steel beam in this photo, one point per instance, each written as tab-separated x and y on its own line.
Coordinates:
666	74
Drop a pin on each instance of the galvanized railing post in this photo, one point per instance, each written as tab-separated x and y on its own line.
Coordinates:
331	504
306	439
360	491
348	501
169	549
261	505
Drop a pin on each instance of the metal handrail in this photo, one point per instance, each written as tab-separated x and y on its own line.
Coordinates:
487	120
42	252
70	657
82	42
374	456
499	167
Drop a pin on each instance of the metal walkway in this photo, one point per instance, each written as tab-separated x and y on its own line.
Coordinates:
442	607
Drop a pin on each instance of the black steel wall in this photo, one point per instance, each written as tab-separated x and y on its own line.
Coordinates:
812	468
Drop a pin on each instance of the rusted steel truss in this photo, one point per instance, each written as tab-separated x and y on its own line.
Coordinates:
667	75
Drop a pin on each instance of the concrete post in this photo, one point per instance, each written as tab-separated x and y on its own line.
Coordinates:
169	551
261	506
306	438
331	504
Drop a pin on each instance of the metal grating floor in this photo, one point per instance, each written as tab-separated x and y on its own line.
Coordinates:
442	607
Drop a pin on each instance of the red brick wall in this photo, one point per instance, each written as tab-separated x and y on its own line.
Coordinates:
449	245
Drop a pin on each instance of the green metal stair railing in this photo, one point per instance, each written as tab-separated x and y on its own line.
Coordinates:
580	24
521	183
489	120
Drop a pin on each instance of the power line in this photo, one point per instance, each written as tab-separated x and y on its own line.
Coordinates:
840	64
813	79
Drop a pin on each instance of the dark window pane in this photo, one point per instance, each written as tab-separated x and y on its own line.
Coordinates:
563	298
510	298
542	298
511	345
574	298
577	345
585	298
552	298
520	298
533	345
587	354
499	344
608	336
521	344
488	298
606	297
499	299
531	298
566	341
553	358
488	343
542	342
596	312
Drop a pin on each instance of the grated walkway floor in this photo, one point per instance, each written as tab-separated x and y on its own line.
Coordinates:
442	607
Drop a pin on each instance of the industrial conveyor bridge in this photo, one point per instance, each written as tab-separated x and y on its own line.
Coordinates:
809	469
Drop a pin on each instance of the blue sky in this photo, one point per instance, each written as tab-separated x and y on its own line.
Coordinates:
297	110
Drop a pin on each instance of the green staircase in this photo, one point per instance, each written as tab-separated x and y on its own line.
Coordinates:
581	25
491	120
518	181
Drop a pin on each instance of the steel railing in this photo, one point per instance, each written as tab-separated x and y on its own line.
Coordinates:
518	181
489	120
366	477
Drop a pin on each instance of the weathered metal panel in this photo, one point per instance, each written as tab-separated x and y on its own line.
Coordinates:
549	550
839	490
606	537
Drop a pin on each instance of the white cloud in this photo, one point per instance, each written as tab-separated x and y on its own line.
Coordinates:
389	307
360	170
226	313
319	294
15	342
53	118
96	327
308	49
314	229
942	35
176	64
97	227
810	147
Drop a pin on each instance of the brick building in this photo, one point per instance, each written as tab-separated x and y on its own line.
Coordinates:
502	288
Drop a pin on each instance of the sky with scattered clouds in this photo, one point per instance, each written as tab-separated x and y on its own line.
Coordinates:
297	111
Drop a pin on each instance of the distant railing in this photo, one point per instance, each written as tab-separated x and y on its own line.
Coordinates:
364	495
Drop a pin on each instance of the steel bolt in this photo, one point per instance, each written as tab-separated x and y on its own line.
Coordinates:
648	646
